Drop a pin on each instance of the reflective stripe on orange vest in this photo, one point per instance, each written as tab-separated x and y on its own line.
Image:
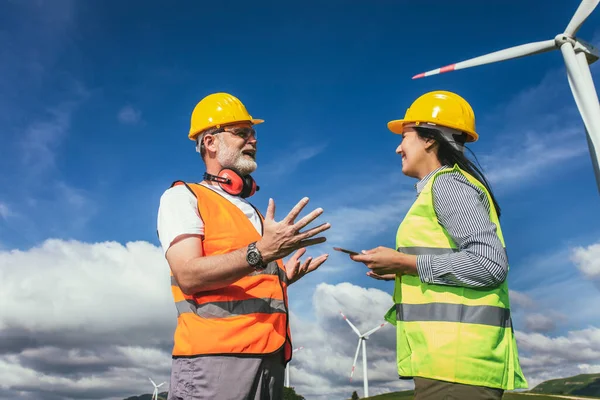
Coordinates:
249	316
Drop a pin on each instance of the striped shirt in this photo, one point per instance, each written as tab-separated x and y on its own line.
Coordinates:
463	210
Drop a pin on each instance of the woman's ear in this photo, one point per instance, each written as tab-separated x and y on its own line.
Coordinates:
430	144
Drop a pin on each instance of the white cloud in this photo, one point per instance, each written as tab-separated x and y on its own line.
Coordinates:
520	300
545	357
129	115
553	295
86	320
322	369
540	323
122	277
5	211
587	260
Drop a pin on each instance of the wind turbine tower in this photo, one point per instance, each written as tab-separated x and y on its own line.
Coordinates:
578	55
155	393
287	368
362	340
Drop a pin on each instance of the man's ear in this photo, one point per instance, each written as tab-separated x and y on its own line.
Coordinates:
210	142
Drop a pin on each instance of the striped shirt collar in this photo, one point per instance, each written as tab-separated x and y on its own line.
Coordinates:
421	184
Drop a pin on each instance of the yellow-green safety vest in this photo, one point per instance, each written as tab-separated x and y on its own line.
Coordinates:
451	333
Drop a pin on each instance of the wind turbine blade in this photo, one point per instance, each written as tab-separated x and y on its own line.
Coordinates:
350	323
501	55
355	358
584	93
297	349
160	384
586	7
593	137
582	86
152	381
372	331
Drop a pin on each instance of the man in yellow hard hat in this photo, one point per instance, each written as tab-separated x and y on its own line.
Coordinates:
455	333
229	283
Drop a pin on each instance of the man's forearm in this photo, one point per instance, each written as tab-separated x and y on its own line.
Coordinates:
213	272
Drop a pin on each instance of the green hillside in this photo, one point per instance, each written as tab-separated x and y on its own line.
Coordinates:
581	385
586	385
405	395
161	396
288	394
408	395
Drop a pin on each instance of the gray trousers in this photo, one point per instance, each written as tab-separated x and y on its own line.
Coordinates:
227	378
429	389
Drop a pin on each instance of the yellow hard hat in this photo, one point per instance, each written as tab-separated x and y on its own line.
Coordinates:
440	108
216	110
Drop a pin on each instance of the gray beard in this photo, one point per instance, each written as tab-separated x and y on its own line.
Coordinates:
231	158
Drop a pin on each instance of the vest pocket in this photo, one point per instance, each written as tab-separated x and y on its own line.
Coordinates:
404	351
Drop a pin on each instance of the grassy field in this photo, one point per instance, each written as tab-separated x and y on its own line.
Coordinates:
408	395
579	385
584	386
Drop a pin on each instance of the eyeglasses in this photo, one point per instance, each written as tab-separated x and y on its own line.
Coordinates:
243	133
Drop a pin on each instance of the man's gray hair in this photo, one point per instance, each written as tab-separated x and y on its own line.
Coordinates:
200	140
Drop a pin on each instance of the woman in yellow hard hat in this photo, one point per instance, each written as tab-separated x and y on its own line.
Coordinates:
452	311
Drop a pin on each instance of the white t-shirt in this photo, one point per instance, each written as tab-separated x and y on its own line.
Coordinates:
178	213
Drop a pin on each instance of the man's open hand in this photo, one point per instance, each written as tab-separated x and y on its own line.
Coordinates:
281	238
295	270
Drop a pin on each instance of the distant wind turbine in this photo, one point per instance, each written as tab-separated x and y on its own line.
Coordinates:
362	339
155	393
287	368
578	55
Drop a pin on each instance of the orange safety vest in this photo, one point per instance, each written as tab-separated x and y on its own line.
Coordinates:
248	317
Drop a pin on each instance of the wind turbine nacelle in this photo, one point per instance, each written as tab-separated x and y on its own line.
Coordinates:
580	46
591	52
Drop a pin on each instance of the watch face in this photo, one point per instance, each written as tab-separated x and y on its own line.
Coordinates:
253	258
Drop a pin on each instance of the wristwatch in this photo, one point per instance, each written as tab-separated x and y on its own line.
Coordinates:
254	258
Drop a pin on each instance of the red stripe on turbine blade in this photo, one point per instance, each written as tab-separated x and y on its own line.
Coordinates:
419	76
447	68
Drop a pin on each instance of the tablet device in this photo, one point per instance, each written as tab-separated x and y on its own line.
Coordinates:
352	253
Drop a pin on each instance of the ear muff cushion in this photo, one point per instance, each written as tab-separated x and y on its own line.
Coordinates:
236	185
249	187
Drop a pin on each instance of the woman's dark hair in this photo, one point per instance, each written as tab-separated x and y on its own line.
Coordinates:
449	155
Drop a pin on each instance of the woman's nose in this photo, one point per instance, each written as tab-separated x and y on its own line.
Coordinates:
399	149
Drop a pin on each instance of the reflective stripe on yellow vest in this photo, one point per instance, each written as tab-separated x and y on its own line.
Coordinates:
249	316
451	333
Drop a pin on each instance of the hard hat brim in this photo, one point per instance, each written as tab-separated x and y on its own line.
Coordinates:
397	126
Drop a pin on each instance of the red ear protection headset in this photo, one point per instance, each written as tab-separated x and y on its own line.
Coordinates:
233	183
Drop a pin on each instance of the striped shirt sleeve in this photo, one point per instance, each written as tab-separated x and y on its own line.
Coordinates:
463	210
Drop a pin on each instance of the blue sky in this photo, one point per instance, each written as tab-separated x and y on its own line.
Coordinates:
97	96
